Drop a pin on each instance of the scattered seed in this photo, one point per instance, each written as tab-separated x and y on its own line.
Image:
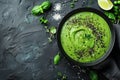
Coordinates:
56	16
57	7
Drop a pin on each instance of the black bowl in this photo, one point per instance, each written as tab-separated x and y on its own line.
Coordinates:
110	26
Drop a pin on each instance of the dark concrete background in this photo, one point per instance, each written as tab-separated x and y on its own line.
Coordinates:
25	53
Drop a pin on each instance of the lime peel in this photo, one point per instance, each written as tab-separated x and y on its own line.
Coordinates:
105	4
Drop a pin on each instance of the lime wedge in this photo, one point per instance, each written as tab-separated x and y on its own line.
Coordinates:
105	4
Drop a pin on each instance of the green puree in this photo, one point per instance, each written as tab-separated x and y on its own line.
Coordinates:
85	37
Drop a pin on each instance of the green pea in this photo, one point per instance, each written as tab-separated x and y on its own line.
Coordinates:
115	2
118	2
56	59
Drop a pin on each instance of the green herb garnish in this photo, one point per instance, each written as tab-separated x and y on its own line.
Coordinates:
64	77
110	15
59	74
56	59
72	4
46	5
75	0
43	20
50	39
93	75
39	9
53	30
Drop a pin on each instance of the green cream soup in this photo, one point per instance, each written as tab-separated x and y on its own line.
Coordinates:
85	37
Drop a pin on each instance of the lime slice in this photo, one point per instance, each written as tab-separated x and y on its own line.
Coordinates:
105	4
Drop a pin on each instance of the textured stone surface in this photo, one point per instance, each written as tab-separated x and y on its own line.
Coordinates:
25	53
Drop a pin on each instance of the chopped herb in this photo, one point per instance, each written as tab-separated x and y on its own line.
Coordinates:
56	59
64	77
72	6
51	35
93	75
88	36
75	0
43	20
110	15
47	30
46	27
59	74
72	3
53	30
49	39
91	2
